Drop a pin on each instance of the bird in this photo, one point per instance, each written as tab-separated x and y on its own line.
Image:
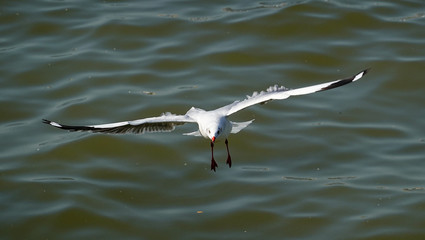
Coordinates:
214	124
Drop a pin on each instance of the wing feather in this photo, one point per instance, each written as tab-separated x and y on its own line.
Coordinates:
164	123
278	93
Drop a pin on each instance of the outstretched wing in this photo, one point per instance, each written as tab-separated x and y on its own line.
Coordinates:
276	92
164	123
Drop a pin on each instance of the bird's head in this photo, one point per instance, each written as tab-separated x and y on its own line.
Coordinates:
214	133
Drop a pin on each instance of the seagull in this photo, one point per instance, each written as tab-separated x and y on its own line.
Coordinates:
213	125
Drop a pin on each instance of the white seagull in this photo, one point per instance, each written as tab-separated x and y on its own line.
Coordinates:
214	124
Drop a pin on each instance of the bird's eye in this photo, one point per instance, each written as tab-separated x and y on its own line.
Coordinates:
209	131
218	132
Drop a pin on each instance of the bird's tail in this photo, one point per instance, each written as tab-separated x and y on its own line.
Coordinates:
238	126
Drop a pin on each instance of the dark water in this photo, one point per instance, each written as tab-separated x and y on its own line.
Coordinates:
343	164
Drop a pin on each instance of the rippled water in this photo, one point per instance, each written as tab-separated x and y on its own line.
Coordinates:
343	164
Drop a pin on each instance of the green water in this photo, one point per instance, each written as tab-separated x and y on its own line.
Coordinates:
342	164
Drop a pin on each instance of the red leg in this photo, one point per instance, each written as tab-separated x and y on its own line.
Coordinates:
229	159
213	162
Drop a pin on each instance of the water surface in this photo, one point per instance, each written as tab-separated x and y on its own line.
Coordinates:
342	164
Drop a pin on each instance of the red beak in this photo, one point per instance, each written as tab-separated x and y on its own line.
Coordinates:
213	139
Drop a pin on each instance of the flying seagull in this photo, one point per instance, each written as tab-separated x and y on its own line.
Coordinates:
213	125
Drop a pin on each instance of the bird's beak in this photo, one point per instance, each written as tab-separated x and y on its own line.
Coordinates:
213	139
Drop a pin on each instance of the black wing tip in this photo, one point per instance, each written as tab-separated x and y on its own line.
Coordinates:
51	123
361	74
338	84
67	127
46	121
345	81
364	72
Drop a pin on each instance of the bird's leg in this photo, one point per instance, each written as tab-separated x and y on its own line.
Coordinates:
213	162
229	159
